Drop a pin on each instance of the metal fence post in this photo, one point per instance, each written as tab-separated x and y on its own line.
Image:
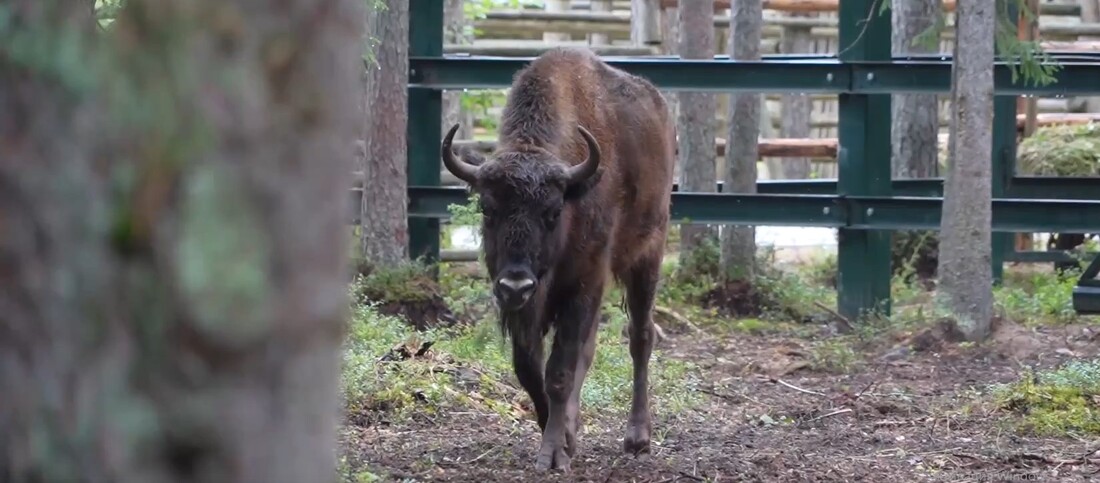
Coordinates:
425	115
863	256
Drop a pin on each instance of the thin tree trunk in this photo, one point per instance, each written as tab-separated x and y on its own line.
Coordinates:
966	284
696	127
454	25
796	108
739	242
174	294
670	30
384	239
915	116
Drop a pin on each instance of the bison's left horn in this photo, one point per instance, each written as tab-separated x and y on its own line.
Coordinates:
582	171
456	165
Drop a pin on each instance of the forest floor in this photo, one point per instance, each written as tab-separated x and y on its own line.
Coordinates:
743	399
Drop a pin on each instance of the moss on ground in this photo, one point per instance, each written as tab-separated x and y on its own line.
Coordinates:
1065	401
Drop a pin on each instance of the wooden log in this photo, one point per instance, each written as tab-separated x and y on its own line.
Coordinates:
522	48
523	23
1054	119
645	25
1070	46
812	6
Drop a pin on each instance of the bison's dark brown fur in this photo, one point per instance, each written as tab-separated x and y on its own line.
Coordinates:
578	190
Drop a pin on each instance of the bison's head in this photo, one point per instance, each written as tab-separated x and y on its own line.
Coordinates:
522	195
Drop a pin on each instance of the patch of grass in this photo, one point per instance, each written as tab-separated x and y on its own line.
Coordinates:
1072	150
834	355
407	282
1038	298
1056	403
469	367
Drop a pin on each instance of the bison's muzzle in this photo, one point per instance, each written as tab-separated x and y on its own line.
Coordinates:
513	291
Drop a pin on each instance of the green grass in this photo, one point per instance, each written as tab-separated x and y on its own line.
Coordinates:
1055	403
469	368
1039	298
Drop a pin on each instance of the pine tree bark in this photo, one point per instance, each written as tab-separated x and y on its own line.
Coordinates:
173	272
695	125
796	108
966	284
384	210
915	116
742	152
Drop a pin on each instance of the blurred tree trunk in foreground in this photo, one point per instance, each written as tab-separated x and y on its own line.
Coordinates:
173	199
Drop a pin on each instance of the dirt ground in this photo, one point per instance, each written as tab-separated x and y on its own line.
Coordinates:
909	412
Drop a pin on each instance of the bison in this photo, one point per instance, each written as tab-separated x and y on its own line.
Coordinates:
577	190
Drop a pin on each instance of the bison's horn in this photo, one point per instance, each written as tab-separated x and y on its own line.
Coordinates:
461	169
582	171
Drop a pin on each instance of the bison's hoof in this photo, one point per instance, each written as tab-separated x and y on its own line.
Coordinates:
552	457
637	440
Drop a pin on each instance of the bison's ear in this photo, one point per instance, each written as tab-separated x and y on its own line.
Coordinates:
472	156
578	190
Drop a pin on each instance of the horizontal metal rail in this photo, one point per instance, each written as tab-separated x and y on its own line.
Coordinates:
809	75
832	211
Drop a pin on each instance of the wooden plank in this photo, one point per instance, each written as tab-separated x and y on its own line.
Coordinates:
800	6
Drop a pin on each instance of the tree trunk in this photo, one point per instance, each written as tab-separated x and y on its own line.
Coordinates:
174	293
384	236
696	130
670	30
796	108
739	242
454	25
915	116
965	277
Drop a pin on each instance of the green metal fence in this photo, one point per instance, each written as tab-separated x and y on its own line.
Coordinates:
863	203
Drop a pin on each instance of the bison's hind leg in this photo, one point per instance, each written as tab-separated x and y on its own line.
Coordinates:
641	290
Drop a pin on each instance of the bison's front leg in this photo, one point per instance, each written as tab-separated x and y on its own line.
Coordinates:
570	358
527	364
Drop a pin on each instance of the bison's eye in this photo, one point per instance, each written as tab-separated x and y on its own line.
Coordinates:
551	217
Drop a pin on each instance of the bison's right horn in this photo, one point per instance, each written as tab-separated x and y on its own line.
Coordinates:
461	169
582	171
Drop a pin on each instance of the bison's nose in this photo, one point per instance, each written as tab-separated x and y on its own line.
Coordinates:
515	291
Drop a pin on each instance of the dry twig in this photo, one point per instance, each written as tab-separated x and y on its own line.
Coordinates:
674	315
796	388
834	413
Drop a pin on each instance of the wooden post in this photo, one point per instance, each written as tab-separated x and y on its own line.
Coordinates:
556	6
599	38
645	22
